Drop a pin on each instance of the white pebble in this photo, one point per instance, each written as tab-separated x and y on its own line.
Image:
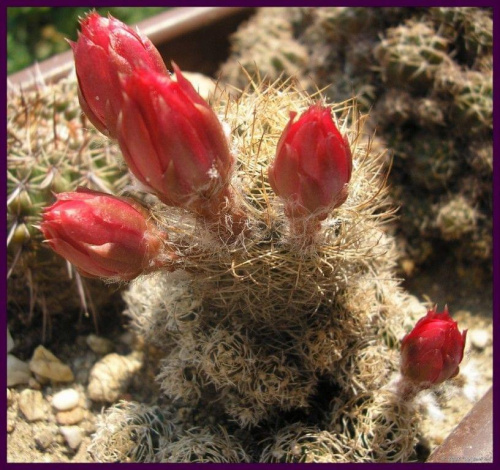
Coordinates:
65	399
73	436
99	345
479	338
10	342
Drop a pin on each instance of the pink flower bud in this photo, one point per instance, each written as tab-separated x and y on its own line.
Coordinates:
107	48
312	166
172	140
102	235
432	351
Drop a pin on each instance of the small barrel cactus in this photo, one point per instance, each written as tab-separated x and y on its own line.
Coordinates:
50	149
411	54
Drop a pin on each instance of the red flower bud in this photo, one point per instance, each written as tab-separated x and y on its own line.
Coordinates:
313	165
102	235
432	351
107	48
172	140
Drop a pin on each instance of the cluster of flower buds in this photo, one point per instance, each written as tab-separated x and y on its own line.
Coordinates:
104	236
174	144
170	137
431	352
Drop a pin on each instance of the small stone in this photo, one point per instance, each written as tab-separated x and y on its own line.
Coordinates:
18	372
9	397
44	438
67	418
34	384
42	353
110	377
479	338
72	435
99	345
45	364
11	421
65	399
10	342
32	404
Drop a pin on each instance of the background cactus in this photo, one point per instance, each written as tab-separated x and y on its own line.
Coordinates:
276	49
51	149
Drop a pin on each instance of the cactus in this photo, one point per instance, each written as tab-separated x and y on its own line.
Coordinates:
209	444
471	29
473	104
50	150
265	323
298	443
410	55
132	432
376	426
456	218
270	289
281	55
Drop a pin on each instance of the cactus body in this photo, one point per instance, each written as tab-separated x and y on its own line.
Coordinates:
262	329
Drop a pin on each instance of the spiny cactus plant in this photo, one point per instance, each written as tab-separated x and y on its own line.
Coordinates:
410	55
471	29
133	433
262	269
278	53
458	96
50	149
